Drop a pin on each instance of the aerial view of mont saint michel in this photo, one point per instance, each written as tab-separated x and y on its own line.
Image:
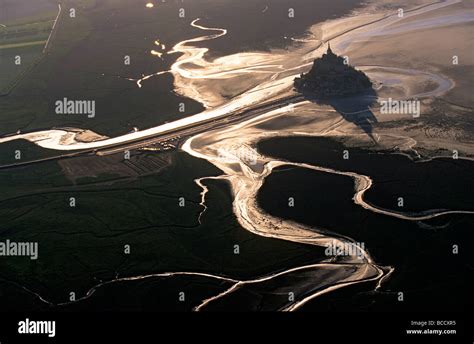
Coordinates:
268	155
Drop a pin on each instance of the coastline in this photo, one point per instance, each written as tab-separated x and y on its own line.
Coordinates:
246	179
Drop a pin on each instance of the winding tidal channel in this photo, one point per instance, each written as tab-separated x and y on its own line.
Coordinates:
270	76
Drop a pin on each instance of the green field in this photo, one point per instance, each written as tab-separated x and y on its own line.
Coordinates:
79	246
24	31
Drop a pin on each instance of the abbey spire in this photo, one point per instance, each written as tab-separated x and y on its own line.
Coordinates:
331	77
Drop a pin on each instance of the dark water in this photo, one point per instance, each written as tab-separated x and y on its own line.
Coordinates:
437	184
426	270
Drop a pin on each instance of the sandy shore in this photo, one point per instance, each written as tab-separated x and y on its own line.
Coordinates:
408	58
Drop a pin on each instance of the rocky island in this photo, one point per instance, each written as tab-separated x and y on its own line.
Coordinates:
332	77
